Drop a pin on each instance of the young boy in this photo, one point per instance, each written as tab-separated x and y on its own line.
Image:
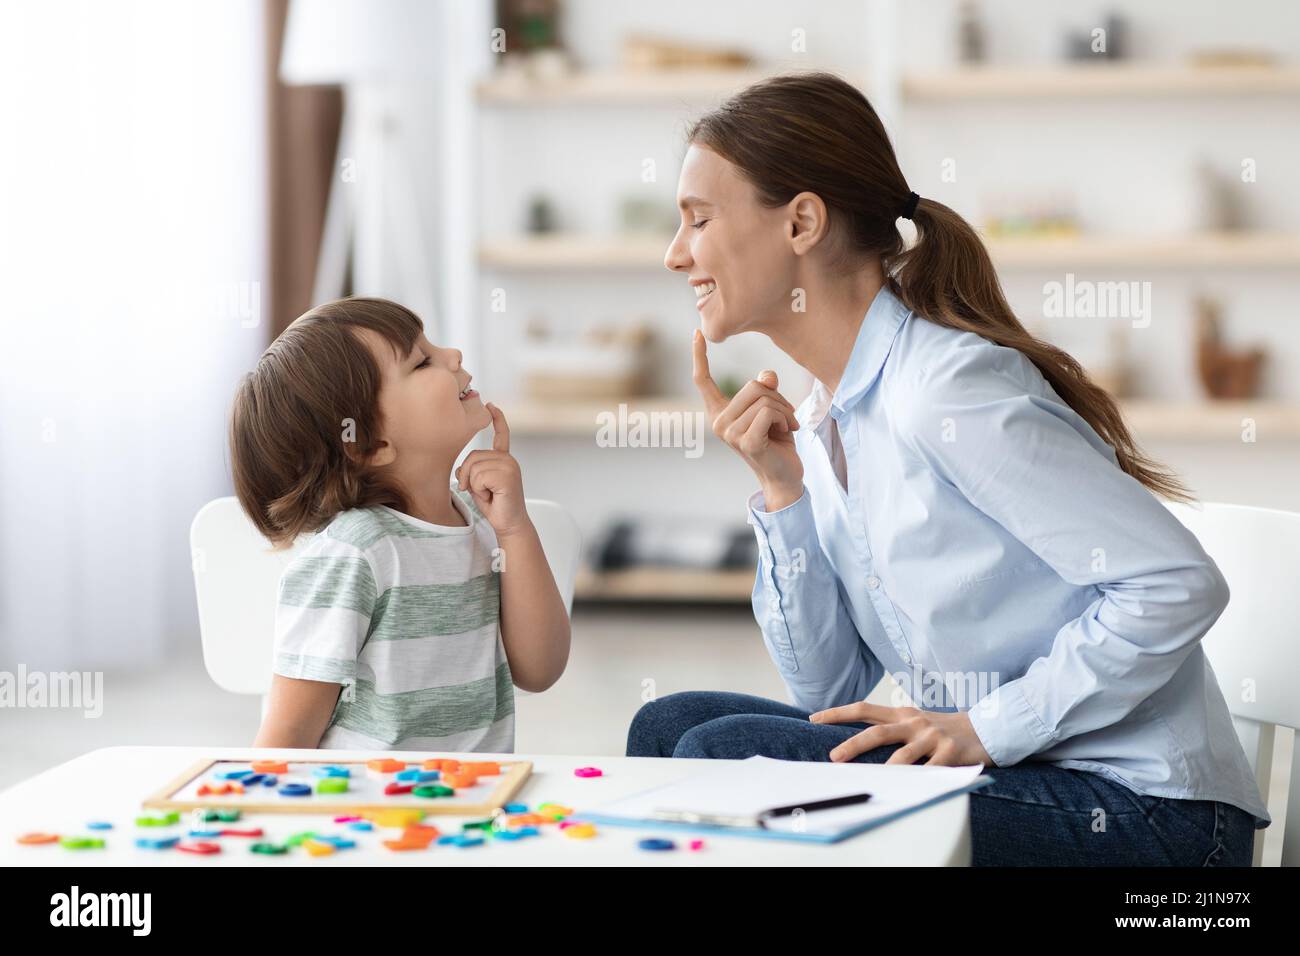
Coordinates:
406	621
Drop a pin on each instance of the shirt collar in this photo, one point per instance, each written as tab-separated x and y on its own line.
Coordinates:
875	338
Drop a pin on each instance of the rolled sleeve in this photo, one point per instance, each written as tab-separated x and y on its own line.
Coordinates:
1030	463
1008	727
808	632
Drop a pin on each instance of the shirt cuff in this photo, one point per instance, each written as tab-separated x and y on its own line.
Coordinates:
1007	726
782	534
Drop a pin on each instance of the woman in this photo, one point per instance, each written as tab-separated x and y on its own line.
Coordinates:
955	502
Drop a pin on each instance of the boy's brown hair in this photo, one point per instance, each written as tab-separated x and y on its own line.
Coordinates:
306	419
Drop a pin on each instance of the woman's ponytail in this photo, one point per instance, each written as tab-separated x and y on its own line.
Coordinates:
815	132
946	276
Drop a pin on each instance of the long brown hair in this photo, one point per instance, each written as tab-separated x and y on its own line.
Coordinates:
814	132
306	419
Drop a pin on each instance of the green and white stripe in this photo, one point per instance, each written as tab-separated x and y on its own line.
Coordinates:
407	613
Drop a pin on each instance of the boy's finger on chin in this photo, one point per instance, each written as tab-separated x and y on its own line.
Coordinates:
500	429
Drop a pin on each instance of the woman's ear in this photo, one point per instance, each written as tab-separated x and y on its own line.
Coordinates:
807	222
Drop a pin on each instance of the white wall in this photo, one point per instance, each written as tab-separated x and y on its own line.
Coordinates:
1130	163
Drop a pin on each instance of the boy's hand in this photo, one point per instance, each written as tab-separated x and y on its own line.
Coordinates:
494	479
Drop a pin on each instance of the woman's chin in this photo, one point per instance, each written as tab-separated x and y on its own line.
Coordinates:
715	328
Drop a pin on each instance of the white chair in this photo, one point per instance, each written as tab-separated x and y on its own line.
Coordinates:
237	577
1254	647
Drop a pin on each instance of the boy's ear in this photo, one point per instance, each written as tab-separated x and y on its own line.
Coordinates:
384	454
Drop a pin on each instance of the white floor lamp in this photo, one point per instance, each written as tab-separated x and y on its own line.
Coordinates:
375	50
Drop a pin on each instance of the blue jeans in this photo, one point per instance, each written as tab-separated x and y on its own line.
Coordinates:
1033	814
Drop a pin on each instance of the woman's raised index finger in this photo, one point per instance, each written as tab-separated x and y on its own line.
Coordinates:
714	400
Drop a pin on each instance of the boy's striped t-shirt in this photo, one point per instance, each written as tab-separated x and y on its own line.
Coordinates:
405	614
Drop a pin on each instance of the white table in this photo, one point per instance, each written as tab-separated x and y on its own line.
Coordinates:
109	784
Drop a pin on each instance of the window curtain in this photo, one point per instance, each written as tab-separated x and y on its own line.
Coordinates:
302	137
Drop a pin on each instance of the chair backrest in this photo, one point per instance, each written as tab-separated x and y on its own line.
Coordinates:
237	577
1254	647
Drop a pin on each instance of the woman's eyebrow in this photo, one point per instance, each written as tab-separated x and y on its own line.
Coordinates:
687	202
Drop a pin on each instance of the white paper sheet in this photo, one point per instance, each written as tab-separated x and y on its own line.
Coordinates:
760	783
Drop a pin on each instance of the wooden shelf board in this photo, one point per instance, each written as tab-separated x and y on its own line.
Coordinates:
575	252
1207	420
1050	81
666	584
1098	79
1201	419
1196	250
579	253
617	87
578	418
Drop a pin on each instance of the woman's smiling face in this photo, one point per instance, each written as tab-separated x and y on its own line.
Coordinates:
735	252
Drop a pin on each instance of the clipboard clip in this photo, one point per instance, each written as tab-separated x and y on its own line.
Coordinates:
757	821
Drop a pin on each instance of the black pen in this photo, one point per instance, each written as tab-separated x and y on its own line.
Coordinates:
815	805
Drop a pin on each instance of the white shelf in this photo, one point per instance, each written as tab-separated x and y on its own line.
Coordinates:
1052	81
578	419
1198	420
618	88
1098	80
1197	250
570	252
666	585
1213	421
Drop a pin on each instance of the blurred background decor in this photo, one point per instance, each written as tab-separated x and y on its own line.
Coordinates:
1225	373
649	53
529	39
607	361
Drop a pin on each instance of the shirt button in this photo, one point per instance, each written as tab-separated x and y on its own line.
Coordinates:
873	582
907	658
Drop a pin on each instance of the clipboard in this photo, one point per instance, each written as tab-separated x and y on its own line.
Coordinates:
897	791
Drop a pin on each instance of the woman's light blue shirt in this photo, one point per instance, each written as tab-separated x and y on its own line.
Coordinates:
991	554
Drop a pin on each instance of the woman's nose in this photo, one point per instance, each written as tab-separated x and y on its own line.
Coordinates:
678	256
456	357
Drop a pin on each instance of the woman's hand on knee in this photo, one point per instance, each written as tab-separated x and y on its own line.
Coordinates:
759	425
947	740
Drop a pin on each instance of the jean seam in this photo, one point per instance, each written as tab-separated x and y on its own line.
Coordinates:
1053	806
1105	773
1219	848
1159	804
